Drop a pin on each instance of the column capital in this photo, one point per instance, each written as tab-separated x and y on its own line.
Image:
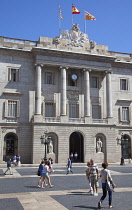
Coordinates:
89	70
39	64
63	67
108	71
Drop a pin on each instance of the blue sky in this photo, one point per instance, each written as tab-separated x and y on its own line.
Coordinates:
29	19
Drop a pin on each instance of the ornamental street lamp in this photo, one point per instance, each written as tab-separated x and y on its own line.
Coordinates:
45	139
122	141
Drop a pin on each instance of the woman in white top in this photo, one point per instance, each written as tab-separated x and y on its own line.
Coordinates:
45	173
106	178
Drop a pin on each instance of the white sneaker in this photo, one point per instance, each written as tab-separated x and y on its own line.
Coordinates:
95	194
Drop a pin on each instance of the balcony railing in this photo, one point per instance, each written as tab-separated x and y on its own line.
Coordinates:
76	120
52	119
11	120
100	121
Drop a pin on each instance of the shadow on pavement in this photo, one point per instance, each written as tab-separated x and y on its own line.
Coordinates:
86	207
79	193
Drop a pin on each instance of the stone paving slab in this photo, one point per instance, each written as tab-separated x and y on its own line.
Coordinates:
10	204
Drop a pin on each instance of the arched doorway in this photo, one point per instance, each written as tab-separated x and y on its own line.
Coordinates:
126	147
10	146
77	145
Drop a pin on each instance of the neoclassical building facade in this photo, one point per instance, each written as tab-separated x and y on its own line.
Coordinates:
74	89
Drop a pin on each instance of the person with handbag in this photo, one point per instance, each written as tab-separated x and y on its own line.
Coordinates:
106	181
41	174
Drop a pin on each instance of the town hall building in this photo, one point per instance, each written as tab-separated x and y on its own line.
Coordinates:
67	88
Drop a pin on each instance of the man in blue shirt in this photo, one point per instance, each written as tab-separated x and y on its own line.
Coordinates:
69	166
9	167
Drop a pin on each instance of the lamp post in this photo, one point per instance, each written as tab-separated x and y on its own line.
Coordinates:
121	141
45	139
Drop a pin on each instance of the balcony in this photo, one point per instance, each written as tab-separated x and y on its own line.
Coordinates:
76	120
100	121
52	119
12	120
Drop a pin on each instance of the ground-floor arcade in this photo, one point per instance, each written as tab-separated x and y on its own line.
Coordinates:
88	141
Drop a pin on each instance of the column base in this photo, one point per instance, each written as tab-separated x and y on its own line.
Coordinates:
38	118
111	120
64	119
88	120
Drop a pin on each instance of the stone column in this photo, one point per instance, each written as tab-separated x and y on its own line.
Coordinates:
38	90
63	91
86	93
108	95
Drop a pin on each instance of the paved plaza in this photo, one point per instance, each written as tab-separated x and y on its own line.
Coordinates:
19	191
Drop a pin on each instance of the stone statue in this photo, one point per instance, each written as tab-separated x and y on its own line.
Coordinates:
50	147
99	145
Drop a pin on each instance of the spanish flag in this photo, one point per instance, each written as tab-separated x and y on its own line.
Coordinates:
75	10
88	16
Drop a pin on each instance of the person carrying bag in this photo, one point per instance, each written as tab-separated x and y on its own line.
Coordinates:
107	182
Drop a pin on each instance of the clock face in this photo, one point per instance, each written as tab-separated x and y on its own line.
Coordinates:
74	77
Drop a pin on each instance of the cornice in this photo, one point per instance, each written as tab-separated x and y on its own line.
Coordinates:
72	54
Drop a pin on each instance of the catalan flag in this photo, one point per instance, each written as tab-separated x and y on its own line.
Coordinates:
60	13
75	10
88	16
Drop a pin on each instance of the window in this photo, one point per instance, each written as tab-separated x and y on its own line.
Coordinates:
13	74
49	78
125	113
96	112
49	110
94	82
123	84
12	108
73	110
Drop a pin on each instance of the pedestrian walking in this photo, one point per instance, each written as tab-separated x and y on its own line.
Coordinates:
46	174
69	166
88	177
106	181
9	167
18	160
71	156
50	164
41	173
14	160
75	157
94	175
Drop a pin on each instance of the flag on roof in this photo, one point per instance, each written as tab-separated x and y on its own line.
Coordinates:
88	16
60	13
75	10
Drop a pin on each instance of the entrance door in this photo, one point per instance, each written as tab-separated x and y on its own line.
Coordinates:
76	145
126	147
10	146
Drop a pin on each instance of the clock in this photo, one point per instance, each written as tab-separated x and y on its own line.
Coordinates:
74	77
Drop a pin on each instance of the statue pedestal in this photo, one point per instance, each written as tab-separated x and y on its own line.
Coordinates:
99	157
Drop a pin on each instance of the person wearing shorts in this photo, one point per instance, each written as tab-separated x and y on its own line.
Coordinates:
46	174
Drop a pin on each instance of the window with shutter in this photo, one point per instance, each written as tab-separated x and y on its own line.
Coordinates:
49	110
12	109
94	82
13	74
73	111
49	78
123	84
